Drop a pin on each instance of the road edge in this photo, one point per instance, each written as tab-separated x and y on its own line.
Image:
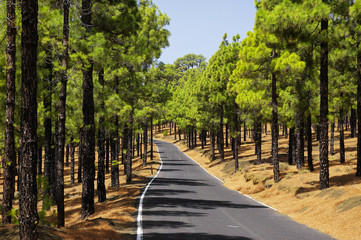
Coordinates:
140	206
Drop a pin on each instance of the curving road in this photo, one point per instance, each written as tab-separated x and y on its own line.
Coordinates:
185	202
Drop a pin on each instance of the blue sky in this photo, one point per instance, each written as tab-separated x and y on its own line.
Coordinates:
197	26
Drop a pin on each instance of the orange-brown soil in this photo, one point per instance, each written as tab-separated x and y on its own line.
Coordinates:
335	211
113	219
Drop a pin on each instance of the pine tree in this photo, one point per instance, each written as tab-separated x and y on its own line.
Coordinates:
9	159
28	217
88	152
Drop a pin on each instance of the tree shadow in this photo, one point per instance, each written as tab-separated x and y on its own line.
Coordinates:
195	203
164	192
193	236
173	213
178	181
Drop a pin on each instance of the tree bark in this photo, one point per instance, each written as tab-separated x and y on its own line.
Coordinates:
107	153
62	118
9	160
114	160
67	155
332	142
80	156
175	131
300	140
342	138
309	143
258	141
145	145
130	147
72	160
353	120
101	147
275	160
324	163
221	135
48	156
213	155
290	145
244	132
358	97
151	138
28	213
235	141
87	206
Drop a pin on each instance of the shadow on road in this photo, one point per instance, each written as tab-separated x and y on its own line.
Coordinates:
195	203
191	236
178	181
164	192
174	213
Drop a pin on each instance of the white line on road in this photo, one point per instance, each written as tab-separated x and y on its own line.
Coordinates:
140	208
200	165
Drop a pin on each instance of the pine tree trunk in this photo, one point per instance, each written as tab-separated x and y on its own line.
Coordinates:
130	146
175	131
275	130
88	153
48	156
221	135
309	143
9	159
358	97
141	146
332	142
62	118
244	132
213	155
353	120
235	142
67	155
107	153
324	164
145	145
151	138
258	141
101	147
227	134
80	157
300	140
138	144
342	138
290	146
114	160
28	213
72	161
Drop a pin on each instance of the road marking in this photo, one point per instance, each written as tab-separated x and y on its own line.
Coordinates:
230	226
258	201
140	208
199	165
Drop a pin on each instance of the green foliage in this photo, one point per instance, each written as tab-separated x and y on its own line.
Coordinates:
165	133
14	213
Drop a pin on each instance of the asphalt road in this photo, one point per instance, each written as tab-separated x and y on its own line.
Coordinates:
185	202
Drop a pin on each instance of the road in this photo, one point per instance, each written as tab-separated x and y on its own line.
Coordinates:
185	202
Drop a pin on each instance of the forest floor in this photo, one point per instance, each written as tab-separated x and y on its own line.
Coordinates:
113	219
335	211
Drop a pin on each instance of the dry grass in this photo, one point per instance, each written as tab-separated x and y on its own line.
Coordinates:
335	211
113	219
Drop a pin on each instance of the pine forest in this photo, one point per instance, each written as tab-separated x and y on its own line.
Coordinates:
83	95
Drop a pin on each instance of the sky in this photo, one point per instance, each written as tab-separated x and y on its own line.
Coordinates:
198	26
